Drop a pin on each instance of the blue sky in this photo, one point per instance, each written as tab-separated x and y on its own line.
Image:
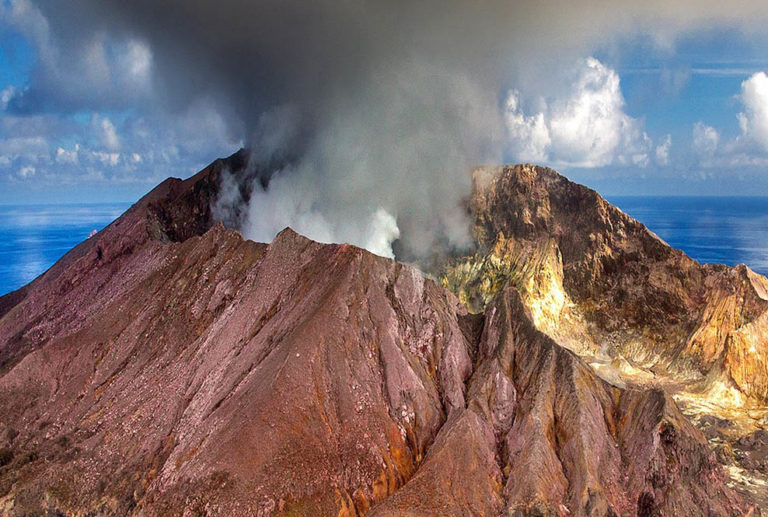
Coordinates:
699	79
91	117
671	90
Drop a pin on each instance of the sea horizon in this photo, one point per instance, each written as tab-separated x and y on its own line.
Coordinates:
727	230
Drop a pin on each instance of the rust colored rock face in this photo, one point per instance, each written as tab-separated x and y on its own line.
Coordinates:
167	366
566	442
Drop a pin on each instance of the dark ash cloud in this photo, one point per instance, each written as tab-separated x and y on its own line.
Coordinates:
381	106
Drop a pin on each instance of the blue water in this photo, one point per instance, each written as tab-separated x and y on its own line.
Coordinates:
33	237
709	229
717	230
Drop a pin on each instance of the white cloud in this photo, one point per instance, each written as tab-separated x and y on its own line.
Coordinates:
6	94
67	156
754	119
586	127
529	135
705	139
95	62
106	132
30	148
750	147
27	172
67	151
111	159
662	151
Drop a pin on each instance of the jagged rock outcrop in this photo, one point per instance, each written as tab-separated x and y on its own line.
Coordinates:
602	284
167	366
566	442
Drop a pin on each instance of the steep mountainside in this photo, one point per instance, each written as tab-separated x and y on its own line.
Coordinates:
602	284
638	311
167	366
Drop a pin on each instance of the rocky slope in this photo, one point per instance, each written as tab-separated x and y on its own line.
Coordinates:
602	284
639	311
166	366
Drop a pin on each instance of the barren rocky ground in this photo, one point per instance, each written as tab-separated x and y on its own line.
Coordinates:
167	366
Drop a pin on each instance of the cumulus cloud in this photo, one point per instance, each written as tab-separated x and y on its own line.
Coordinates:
27	172
754	119
159	147
67	156
133	63
587	127
6	94
27	148
111	159
529	134
750	147
662	151
705	139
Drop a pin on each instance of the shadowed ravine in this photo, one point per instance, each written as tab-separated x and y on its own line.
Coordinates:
167	366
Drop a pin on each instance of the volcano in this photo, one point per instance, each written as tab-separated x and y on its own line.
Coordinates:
168	366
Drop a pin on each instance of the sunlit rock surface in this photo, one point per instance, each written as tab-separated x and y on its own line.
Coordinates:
601	284
167	366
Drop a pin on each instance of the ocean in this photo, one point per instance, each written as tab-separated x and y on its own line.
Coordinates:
714	230
33	237
724	230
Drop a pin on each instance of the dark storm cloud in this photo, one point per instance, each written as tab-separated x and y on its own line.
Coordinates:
258	54
385	103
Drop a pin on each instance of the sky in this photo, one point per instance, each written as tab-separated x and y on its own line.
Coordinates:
100	102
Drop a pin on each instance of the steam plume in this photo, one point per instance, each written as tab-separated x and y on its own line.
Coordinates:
376	110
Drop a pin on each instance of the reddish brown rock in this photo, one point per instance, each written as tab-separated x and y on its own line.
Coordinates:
166	366
567	442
